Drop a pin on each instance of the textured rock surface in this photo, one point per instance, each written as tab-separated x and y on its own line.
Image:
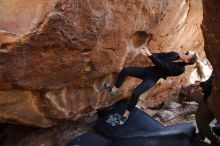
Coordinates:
65	49
21	16
211	32
173	113
17	106
55	136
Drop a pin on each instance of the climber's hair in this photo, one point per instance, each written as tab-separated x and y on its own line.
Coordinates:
193	59
199	65
200	71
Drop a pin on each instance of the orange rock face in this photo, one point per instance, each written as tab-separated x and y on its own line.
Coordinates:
211	31
55	55
21	16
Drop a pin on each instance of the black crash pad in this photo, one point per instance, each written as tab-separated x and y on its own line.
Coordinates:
139	124
139	130
153	141
90	139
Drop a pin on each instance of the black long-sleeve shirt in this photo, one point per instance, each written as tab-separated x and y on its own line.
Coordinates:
164	65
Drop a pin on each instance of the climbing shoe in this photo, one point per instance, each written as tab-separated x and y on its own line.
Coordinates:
122	120
108	87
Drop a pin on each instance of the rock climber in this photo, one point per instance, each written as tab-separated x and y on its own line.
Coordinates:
166	64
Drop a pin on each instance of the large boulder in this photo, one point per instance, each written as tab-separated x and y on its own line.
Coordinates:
211	32
56	54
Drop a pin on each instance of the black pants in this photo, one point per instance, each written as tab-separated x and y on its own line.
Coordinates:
147	74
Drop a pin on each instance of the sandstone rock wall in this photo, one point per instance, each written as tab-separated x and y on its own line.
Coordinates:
21	16
55	55
211	32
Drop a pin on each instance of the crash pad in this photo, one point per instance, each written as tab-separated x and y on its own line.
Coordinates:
139	124
140	130
90	138
153	141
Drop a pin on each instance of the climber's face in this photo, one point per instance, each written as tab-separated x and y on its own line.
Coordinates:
186	55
